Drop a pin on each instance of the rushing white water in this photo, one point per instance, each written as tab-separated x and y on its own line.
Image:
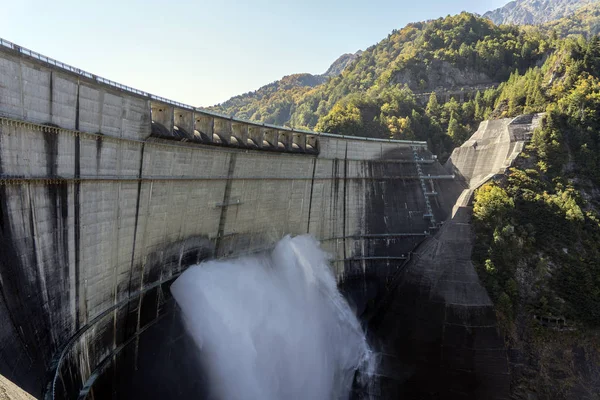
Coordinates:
273	326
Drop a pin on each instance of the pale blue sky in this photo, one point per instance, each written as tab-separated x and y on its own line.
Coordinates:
203	52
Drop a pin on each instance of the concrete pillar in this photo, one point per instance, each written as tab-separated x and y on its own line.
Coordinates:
240	132
162	114
312	144
204	127
222	129
184	121
299	142
285	138
270	137
256	133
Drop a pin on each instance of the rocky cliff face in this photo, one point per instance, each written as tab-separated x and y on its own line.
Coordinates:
533	12
552	356
341	63
440	74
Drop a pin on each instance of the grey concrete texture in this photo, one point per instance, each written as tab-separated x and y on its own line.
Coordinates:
438	321
97	216
98	213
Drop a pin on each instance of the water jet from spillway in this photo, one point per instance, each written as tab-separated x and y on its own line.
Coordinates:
273	326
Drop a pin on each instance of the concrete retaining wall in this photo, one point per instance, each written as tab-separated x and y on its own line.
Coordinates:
98	213
453	338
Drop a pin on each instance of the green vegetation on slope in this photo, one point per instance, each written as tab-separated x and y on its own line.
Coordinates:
394	113
538	232
272	103
585	21
457	51
372	95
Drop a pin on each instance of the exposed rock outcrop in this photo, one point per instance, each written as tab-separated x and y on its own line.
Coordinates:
341	63
439	74
534	12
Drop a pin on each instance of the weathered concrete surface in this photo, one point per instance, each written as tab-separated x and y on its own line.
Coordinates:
107	195
103	202
10	391
437	327
490	151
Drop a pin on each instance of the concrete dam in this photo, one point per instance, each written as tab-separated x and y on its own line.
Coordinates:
108	193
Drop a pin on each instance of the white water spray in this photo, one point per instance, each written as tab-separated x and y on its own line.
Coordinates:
273	326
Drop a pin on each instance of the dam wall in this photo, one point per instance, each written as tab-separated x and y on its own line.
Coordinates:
437	323
108	193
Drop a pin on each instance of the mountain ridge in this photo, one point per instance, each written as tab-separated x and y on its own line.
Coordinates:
339	65
423	56
298	83
585	21
534	12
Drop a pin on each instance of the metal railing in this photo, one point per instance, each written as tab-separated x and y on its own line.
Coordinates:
55	63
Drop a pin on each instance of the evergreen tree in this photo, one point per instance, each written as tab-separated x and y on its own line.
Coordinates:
454	128
433	107
479	106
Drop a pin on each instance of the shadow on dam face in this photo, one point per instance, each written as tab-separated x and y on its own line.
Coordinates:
137	349
106	358
428	339
164	363
270	326
395	217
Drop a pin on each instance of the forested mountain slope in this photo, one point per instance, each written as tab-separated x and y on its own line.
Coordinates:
585	21
374	95
273	103
453	52
538	230
534	12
